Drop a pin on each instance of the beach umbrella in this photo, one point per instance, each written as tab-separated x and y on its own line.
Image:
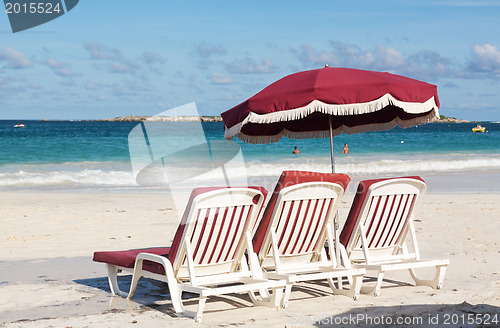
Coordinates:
329	101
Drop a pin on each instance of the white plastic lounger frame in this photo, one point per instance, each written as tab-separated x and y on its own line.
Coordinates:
211	256
383	227
293	248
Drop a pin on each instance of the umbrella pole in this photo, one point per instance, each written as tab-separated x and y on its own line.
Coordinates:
336	218
332	160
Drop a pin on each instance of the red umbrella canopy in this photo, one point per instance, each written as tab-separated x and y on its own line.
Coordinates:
301	105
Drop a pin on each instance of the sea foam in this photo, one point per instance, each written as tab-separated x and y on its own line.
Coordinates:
119	175
86	178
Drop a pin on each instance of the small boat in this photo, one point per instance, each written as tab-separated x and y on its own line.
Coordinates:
19	125
478	128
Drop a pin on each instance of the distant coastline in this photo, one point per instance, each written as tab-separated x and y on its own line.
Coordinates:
133	118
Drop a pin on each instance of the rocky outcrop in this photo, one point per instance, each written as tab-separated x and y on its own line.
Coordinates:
445	119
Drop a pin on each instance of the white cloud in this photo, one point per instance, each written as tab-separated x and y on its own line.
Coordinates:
219	78
389	58
450	85
152	60
98	97
204	53
52	63
312	57
16	87
122	67
14	59
65	72
128	88
90	86
35	86
193	83
205	49
473	106
485	58
150	57
112	60
60	68
100	51
346	55
249	66
422	65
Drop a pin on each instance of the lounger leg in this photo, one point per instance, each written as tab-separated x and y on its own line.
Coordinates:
180	310
113	280
436	282
380	278
346	263
174	288
277	298
267	299
133	284
356	286
255	299
286	296
264	293
344	258
332	284
355	281
375	290
201	305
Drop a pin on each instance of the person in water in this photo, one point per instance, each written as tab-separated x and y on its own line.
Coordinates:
296	151
345	150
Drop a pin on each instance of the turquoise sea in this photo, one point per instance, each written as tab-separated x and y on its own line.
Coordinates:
83	155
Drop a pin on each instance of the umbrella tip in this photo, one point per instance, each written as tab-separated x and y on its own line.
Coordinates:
326	65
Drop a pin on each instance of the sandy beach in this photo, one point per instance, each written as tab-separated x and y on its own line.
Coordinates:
48	278
112	112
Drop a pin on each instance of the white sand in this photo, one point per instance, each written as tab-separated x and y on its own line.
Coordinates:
48	279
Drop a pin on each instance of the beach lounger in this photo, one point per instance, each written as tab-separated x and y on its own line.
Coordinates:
207	256
297	221
379	226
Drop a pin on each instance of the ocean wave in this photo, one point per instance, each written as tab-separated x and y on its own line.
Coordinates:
371	165
70	179
421	166
102	175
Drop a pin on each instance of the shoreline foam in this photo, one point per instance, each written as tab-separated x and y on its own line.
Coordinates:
473	174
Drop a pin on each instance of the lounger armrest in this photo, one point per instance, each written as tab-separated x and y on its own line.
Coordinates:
154	258
253	260
139	272
162	260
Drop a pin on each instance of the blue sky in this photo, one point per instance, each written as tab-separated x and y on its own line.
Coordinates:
115	58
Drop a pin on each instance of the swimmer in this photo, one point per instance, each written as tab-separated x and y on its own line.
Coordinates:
345	150
296	151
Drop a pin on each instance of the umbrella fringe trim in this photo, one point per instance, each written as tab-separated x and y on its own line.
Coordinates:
334	109
342	129
342	109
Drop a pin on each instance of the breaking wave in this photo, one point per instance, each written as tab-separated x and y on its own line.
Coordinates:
89	175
